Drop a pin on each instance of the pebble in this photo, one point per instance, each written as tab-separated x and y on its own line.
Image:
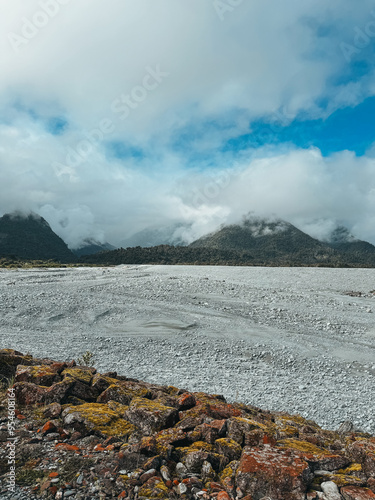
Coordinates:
282	341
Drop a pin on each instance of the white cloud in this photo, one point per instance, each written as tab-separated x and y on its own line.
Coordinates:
301	186
262	57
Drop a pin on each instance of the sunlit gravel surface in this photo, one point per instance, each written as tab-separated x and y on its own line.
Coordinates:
279	338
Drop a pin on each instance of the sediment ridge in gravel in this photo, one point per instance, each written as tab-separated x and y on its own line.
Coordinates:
300	340
68	431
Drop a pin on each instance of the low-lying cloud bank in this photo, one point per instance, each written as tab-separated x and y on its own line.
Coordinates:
116	119
112	200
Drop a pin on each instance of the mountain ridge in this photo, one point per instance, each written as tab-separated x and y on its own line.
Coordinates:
255	241
31	237
270	238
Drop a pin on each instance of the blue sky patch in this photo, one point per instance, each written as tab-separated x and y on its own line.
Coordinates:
348	128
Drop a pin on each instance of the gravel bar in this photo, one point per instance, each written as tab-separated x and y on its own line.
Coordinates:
300	340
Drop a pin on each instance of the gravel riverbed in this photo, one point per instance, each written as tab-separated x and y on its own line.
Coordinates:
292	339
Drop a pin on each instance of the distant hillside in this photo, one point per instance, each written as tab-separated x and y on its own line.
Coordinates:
353	249
361	252
91	247
255	242
167	254
153	236
31	237
269	240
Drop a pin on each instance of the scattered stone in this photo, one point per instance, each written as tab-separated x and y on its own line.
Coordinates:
331	491
355	493
200	447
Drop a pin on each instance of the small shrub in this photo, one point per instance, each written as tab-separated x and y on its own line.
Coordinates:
87	359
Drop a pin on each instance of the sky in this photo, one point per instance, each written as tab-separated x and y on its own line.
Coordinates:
123	115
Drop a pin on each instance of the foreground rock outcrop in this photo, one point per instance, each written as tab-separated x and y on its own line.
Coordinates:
82	434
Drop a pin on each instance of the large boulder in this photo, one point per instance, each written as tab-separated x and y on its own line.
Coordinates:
9	360
229	448
99	419
318	458
363	452
356	493
151	416
272	472
123	392
240	428
28	394
38	374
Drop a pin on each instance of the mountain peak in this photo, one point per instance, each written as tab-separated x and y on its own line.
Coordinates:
259	226
29	236
267	239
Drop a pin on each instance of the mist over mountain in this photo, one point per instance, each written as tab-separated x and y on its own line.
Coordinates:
341	235
253	241
90	247
354	249
31	237
153	236
268	239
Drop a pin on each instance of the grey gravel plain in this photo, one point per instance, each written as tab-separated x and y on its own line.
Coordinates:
288	339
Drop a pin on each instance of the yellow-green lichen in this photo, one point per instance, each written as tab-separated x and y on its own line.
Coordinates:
147	404
197	446
344	480
294	420
228	444
158	490
252	424
303	446
352	468
122	391
37	370
288	431
78	374
229	471
118	408
103	419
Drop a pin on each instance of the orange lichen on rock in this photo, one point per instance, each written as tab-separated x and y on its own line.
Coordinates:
323	459
168	443
67	447
273	472
355	493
